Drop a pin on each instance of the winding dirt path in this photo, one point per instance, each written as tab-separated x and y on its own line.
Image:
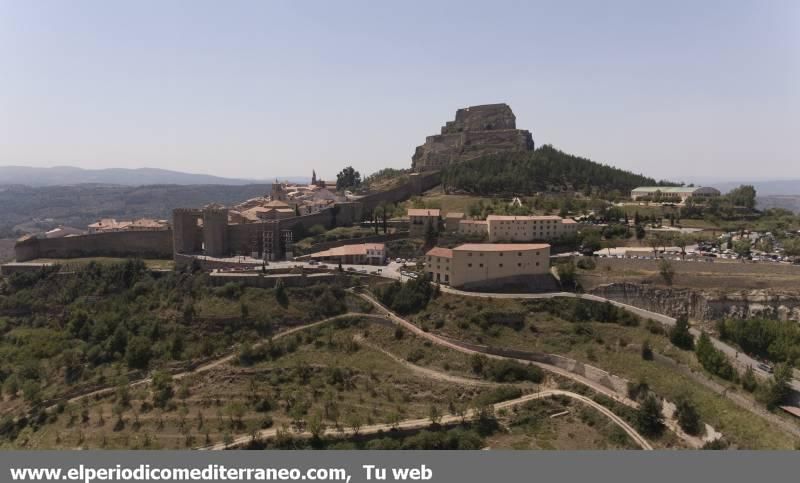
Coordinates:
448	420
214	363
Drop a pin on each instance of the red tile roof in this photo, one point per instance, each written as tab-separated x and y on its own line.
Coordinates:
500	247
423	212
440	252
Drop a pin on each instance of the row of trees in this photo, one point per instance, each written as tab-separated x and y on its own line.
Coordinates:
771	394
408	297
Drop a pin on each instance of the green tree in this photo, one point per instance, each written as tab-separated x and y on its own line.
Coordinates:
431	235
688	418
162	389
743	196
679	334
348	178
667	271
647	351
138	353
567	274
649	419
749	382
742	248
778	388
280	293
713	359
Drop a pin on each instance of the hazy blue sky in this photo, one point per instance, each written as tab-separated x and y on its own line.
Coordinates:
257	89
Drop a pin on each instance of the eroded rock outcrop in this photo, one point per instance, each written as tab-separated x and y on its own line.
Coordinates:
705	305
476	131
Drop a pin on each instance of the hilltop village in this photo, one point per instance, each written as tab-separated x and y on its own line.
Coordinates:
493	294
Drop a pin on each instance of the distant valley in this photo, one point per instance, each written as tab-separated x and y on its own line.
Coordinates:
70	175
31	209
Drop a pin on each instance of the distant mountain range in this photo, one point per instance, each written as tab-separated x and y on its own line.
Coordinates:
70	175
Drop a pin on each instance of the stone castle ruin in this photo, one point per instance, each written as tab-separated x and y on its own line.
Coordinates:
476	131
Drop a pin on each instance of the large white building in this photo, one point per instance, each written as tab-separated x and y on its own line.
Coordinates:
503	228
677	194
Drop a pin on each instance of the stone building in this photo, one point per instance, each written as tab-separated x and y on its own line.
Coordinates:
419	219
475	265
476	131
502	228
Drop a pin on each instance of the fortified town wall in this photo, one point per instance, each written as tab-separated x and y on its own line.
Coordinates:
142	244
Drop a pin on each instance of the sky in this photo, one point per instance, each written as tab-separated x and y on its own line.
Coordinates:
678	90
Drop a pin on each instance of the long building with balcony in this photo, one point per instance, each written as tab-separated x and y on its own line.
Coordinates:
487	264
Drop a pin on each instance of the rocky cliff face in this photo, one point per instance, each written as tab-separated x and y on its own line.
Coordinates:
476	131
701	305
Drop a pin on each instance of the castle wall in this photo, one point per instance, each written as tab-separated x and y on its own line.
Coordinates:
417	184
215	232
141	244
186	234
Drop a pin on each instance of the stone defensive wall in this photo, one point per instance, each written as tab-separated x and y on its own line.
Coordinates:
139	244
417	184
219	237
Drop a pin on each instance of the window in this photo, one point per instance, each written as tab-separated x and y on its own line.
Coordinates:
501	254
519	264
481	265
501	265
519	254
537	264
469	265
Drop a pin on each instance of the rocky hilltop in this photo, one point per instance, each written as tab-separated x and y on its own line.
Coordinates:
476	131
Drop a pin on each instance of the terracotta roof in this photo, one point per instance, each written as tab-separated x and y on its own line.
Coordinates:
423	212
455	214
474	222
440	252
568	220
500	247
276	204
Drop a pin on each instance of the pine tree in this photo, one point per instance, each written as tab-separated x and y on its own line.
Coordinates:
680	336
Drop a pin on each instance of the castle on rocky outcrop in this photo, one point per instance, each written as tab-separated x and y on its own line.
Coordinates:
476	131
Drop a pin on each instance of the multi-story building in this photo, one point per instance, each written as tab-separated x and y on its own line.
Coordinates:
420	218
487	264
501	228
474	228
